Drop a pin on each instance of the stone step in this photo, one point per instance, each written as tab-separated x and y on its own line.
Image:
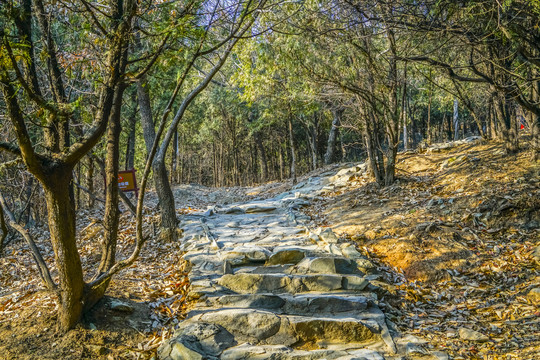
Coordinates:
305	304
279	352
326	265
248	283
268	328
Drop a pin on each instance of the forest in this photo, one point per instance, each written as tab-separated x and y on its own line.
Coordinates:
343	139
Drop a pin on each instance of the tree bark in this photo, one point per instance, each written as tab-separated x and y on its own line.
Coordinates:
293	151
161	178
130	147
456	120
262	158
329	156
3	228
506	126
62	229
112	212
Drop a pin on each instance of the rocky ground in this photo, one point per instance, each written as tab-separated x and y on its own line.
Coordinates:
440	265
263	286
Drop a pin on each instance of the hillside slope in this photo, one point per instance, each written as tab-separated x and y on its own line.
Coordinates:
457	233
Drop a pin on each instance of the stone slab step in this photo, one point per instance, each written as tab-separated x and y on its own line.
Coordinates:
326	265
269	328
304	304
281	283
278	352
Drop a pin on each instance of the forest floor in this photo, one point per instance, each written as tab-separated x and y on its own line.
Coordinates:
455	236
457	233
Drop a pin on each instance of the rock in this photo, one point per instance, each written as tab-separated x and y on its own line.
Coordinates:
245	324
233	210
290	256
413	349
326	265
534	296
365	354
256	208
227	267
350	252
246	254
365	265
336	304
472	335
333	249
181	351
209	339
120	306
355	283
257	301
332	330
322	282
328	236
251	352
252	283
439	355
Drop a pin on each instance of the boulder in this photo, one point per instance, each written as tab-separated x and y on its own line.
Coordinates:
245	324
120	306
197	341
328	236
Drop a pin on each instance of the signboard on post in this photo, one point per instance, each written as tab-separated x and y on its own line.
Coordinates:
127	181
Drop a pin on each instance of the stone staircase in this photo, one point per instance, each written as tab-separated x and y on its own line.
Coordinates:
264	286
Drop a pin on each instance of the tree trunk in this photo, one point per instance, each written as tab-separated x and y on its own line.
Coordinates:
90	182
506	126
62	229
390	169
293	151
161	180
429	137
262	158
281	164
329	156
313	143
456	120
166	200
3	228
174	157
112	212
130	147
